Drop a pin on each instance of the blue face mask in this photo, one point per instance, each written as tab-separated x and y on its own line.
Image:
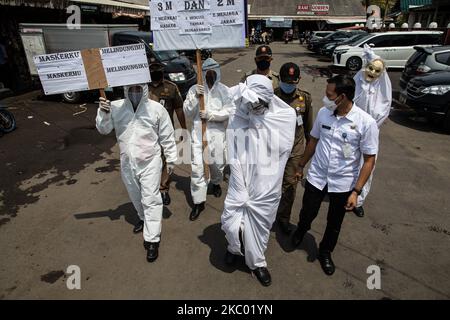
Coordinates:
288	87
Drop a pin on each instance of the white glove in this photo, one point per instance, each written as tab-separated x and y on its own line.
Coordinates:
170	168
204	115
105	105
200	90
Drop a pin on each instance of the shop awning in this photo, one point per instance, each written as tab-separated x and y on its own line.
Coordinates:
346	20
328	19
307	9
113	3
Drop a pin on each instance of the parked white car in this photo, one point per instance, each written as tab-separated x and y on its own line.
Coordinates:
394	48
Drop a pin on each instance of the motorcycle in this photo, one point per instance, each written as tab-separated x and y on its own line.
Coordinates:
256	38
7	121
286	37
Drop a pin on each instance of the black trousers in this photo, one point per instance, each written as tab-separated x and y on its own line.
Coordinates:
312	199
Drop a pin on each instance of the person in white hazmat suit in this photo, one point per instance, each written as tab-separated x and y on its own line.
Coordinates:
373	94
142	127
260	137
217	108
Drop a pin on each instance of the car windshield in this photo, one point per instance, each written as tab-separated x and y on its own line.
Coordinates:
166	55
356	38
362	40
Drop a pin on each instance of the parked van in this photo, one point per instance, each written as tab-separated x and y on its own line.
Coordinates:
394	48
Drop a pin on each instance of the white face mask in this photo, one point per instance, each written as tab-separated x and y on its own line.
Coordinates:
329	104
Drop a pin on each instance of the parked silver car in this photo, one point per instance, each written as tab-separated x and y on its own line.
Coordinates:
426	60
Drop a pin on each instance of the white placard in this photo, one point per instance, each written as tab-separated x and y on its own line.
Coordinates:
61	72
125	65
197	24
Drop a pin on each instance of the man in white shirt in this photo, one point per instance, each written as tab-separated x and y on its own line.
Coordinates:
341	135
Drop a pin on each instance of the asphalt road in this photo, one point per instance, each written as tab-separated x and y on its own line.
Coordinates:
62	203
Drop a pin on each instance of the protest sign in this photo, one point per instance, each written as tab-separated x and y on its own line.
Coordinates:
197	24
61	72
93	69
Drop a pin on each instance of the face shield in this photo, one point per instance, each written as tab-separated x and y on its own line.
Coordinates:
136	94
211	72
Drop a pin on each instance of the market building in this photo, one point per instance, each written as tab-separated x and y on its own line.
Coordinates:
301	15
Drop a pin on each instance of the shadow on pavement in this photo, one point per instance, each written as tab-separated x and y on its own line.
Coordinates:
184	184
410	119
214	237
308	244
127	210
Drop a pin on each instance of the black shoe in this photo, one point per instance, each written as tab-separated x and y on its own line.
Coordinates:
285	227
263	276
217	190
152	250
196	211
326	263
138	227
230	258
165	198
359	211
297	238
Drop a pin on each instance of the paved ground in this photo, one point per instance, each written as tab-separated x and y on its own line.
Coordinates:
62	203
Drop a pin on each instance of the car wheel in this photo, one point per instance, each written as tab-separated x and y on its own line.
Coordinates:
71	97
354	63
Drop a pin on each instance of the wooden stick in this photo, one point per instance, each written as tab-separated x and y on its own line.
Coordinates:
102	93
202	108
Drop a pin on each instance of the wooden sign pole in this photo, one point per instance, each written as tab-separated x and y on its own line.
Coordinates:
202	108
102	93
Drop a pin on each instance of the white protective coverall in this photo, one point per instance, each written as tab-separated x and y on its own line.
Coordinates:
259	145
375	98
218	104
140	136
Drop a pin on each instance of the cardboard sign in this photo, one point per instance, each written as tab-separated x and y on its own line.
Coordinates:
197	24
93	69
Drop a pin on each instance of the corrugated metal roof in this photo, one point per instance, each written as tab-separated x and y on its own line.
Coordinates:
342	8
115	3
404	4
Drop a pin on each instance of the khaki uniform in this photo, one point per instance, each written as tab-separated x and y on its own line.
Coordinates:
301	102
275	77
169	96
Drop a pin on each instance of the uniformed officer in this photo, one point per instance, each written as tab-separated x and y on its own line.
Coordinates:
166	93
343	136
263	58
301	102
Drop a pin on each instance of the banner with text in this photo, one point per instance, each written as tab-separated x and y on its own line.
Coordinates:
93	69
197	24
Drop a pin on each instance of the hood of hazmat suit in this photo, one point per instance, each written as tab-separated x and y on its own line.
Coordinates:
141	132
218	104
259	145
373	95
